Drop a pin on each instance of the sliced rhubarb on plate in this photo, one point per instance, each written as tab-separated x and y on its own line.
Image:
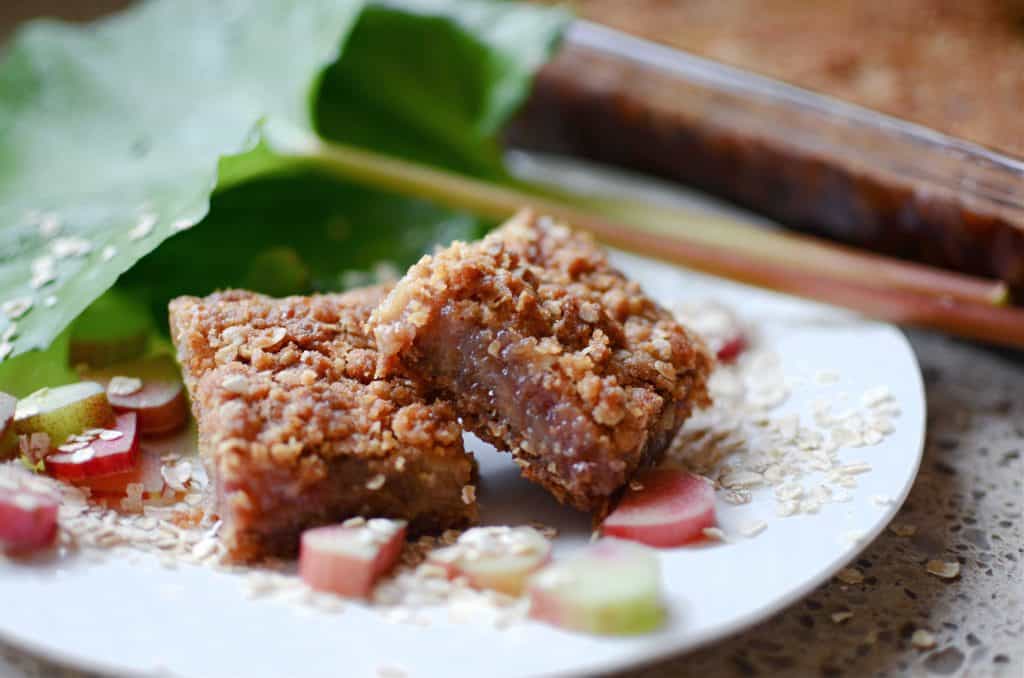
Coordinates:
611	587
160	405
663	507
8	436
28	514
157	456
348	559
106	452
152	389
64	411
145	473
496	558
732	348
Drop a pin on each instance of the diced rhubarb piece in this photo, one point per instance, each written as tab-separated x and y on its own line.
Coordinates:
613	587
8	436
146	473
64	411
110	451
152	388
496	558
160	405
28	514
668	507
348	559
732	348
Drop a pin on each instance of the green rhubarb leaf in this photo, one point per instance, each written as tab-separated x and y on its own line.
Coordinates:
198	119
111	134
293	233
430	80
434	81
32	370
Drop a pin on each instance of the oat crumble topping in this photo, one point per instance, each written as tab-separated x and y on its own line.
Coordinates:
274	355
296	429
124	386
546	351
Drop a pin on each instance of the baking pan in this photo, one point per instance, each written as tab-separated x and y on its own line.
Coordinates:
809	161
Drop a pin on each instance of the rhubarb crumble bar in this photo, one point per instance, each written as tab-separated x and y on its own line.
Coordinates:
297	431
546	351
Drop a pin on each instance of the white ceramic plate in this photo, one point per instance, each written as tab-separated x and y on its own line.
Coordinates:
138	618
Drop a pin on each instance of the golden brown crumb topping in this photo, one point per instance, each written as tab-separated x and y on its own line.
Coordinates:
281	376
548	351
287	404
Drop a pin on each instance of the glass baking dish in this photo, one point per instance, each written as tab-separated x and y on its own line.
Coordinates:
806	160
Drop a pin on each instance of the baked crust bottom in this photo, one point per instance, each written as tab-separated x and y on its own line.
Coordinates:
296	430
546	351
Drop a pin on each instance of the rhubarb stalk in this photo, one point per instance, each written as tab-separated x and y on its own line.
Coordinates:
875	285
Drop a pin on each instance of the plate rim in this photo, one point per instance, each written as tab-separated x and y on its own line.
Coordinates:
683	640
676	645
636	660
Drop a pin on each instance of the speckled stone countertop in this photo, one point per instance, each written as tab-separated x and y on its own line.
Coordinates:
966	505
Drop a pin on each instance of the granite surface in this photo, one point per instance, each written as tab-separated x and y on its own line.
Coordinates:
965	505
